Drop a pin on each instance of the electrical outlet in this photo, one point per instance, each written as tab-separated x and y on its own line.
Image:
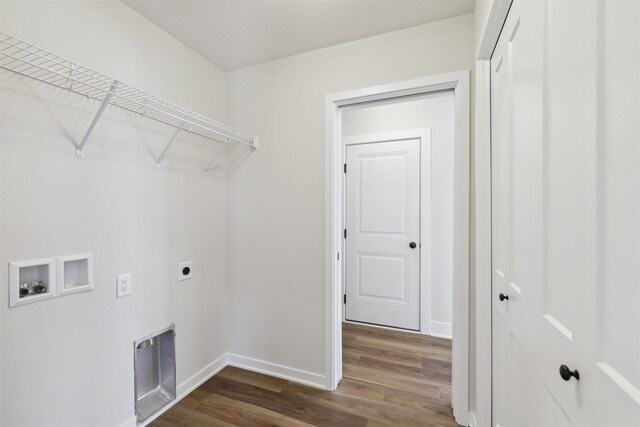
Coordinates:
185	270
124	285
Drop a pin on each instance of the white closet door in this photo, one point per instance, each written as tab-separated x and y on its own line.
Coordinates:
569	98
517	214
612	310
591	296
566	214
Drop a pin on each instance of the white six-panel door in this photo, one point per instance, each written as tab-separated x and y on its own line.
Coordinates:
566	214
383	233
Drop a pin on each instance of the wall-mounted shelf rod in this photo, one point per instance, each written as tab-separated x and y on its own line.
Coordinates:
138	112
36	63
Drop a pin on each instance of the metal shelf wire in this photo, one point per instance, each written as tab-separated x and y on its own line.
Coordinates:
39	64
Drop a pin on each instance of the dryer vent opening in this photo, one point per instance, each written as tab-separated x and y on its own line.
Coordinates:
154	372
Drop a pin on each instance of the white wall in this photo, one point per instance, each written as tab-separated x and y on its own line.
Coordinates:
69	361
277	195
437	112
54	204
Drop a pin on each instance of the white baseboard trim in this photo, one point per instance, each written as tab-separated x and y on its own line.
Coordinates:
275	370
229	359
440	329
472	419
202	376
131	422
188	386
462	419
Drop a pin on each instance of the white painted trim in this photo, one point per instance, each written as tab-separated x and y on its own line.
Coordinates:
202	376
489	37
472	419
495	22
275	370
441	329
333	244
426	254
483	243
131	422
424	135
461	219
459	82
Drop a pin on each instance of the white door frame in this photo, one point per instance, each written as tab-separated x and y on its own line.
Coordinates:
459	82
482	156
424	136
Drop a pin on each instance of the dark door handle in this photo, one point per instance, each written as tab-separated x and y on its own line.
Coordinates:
567	373
412	245
503	297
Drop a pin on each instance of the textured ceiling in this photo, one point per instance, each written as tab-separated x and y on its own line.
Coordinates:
236	33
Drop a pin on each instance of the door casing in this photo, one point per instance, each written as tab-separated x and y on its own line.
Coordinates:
459	82
481	415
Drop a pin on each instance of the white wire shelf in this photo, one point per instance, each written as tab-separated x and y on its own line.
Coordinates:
46	67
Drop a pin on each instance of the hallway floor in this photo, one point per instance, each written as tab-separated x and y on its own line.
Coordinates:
390	378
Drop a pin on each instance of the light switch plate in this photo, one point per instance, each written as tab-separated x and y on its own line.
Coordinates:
124	285
185	270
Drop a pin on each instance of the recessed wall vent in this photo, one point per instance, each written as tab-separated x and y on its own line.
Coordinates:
154	372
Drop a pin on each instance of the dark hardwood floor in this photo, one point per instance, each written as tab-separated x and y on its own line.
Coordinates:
390	378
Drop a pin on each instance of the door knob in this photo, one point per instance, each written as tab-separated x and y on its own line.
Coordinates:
412	245
567	373
503	297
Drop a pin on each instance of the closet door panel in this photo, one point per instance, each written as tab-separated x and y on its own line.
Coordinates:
612	376
567	103
525	200
524	187
517	225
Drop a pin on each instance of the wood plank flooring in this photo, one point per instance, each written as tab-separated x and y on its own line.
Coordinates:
390	378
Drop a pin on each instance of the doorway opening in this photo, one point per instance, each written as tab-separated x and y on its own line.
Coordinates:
398	213
340	104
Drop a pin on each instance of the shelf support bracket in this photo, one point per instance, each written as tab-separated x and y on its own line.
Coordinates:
208	167
105	102
166	148
69	82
